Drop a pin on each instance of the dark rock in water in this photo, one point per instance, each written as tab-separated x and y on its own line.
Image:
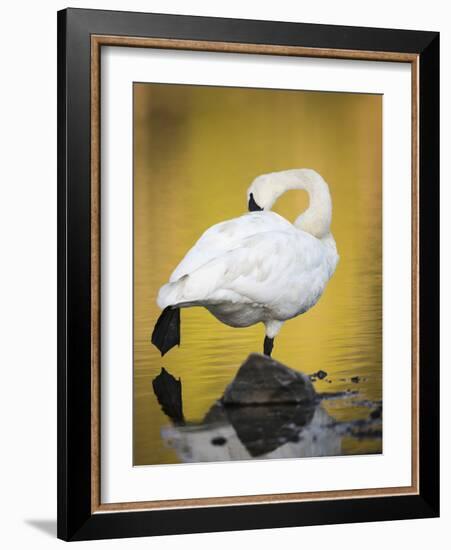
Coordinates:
377	413
219	441
320	375
169	394
262	380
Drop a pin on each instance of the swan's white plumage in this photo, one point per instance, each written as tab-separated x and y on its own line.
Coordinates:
259	267
254	268
226	236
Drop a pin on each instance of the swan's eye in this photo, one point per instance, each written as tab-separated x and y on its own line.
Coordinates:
253	206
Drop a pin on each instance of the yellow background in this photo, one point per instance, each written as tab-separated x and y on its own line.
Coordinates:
196	150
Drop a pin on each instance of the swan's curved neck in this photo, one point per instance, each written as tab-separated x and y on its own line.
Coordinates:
318	216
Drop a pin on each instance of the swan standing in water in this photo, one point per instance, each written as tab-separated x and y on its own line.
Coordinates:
257	268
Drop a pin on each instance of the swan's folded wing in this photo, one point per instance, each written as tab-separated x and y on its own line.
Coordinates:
260	270
225	237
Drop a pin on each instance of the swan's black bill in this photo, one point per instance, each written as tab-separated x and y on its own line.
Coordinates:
166	333
252	205
268	345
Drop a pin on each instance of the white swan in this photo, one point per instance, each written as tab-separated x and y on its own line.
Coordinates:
258	267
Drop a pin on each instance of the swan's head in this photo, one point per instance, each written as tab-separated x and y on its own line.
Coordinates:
265	190
262	193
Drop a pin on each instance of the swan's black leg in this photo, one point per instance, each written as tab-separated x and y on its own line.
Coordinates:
268	345
166	333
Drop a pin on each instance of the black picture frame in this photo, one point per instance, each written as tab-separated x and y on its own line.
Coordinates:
76	521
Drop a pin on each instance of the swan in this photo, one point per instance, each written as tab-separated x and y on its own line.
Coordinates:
256	268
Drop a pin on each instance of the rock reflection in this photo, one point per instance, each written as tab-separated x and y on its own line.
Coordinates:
267	411
255	432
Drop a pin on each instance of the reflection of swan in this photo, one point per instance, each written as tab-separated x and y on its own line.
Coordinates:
245	433
258	267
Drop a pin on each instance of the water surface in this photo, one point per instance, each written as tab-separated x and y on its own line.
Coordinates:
196	150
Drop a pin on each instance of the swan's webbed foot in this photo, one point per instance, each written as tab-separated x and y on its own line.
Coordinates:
166	333
268	344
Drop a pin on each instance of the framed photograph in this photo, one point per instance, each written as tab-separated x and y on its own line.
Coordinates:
248	274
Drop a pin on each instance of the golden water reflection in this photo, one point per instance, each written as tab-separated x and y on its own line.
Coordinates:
196	150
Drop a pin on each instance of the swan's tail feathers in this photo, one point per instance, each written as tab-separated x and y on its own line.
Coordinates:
166	333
